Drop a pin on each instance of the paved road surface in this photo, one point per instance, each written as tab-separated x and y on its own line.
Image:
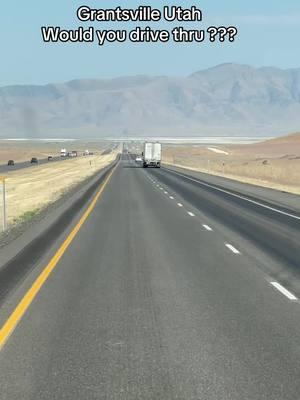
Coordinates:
26	164
163	294
4	168
272	228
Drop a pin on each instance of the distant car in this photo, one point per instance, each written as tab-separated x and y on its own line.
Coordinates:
138	159
50	158
10	163
34	160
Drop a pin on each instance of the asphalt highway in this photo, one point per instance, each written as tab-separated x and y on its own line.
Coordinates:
169	289
4	168
272	228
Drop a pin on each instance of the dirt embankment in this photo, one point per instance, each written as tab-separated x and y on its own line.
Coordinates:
274	163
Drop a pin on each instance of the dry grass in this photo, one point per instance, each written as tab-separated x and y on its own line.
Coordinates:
31	189
25	150
274	163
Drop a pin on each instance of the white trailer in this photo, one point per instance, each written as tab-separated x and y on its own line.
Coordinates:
152	155
63	153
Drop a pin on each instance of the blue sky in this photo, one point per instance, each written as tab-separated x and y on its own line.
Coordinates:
269	33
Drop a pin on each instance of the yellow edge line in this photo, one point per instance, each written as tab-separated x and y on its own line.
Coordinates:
13	320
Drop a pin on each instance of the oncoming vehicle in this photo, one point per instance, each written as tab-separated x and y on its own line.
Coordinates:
63	153
34	160
10	163
50	158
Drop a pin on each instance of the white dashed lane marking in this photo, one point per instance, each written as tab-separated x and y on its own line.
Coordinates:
232	248
237	195
276	285
284	291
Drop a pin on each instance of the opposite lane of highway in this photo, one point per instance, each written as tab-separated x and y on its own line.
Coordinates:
4	168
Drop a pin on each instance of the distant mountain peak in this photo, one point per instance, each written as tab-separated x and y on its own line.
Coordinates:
228	99
225	67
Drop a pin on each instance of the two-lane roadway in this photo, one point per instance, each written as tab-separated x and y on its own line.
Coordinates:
4	168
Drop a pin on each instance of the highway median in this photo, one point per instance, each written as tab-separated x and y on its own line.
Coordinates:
30	190
28	252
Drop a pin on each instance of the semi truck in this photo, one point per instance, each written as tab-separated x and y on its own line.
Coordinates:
152	155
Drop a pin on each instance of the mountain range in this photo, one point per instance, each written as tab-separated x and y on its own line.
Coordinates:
226	100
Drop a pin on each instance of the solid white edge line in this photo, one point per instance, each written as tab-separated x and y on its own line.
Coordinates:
179	205
284	291
232	248
191	214
208	228
237	195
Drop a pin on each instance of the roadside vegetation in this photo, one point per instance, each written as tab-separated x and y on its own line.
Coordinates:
27	216
32	189
274	163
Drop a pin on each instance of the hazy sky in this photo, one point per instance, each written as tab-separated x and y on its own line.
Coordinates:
269	32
